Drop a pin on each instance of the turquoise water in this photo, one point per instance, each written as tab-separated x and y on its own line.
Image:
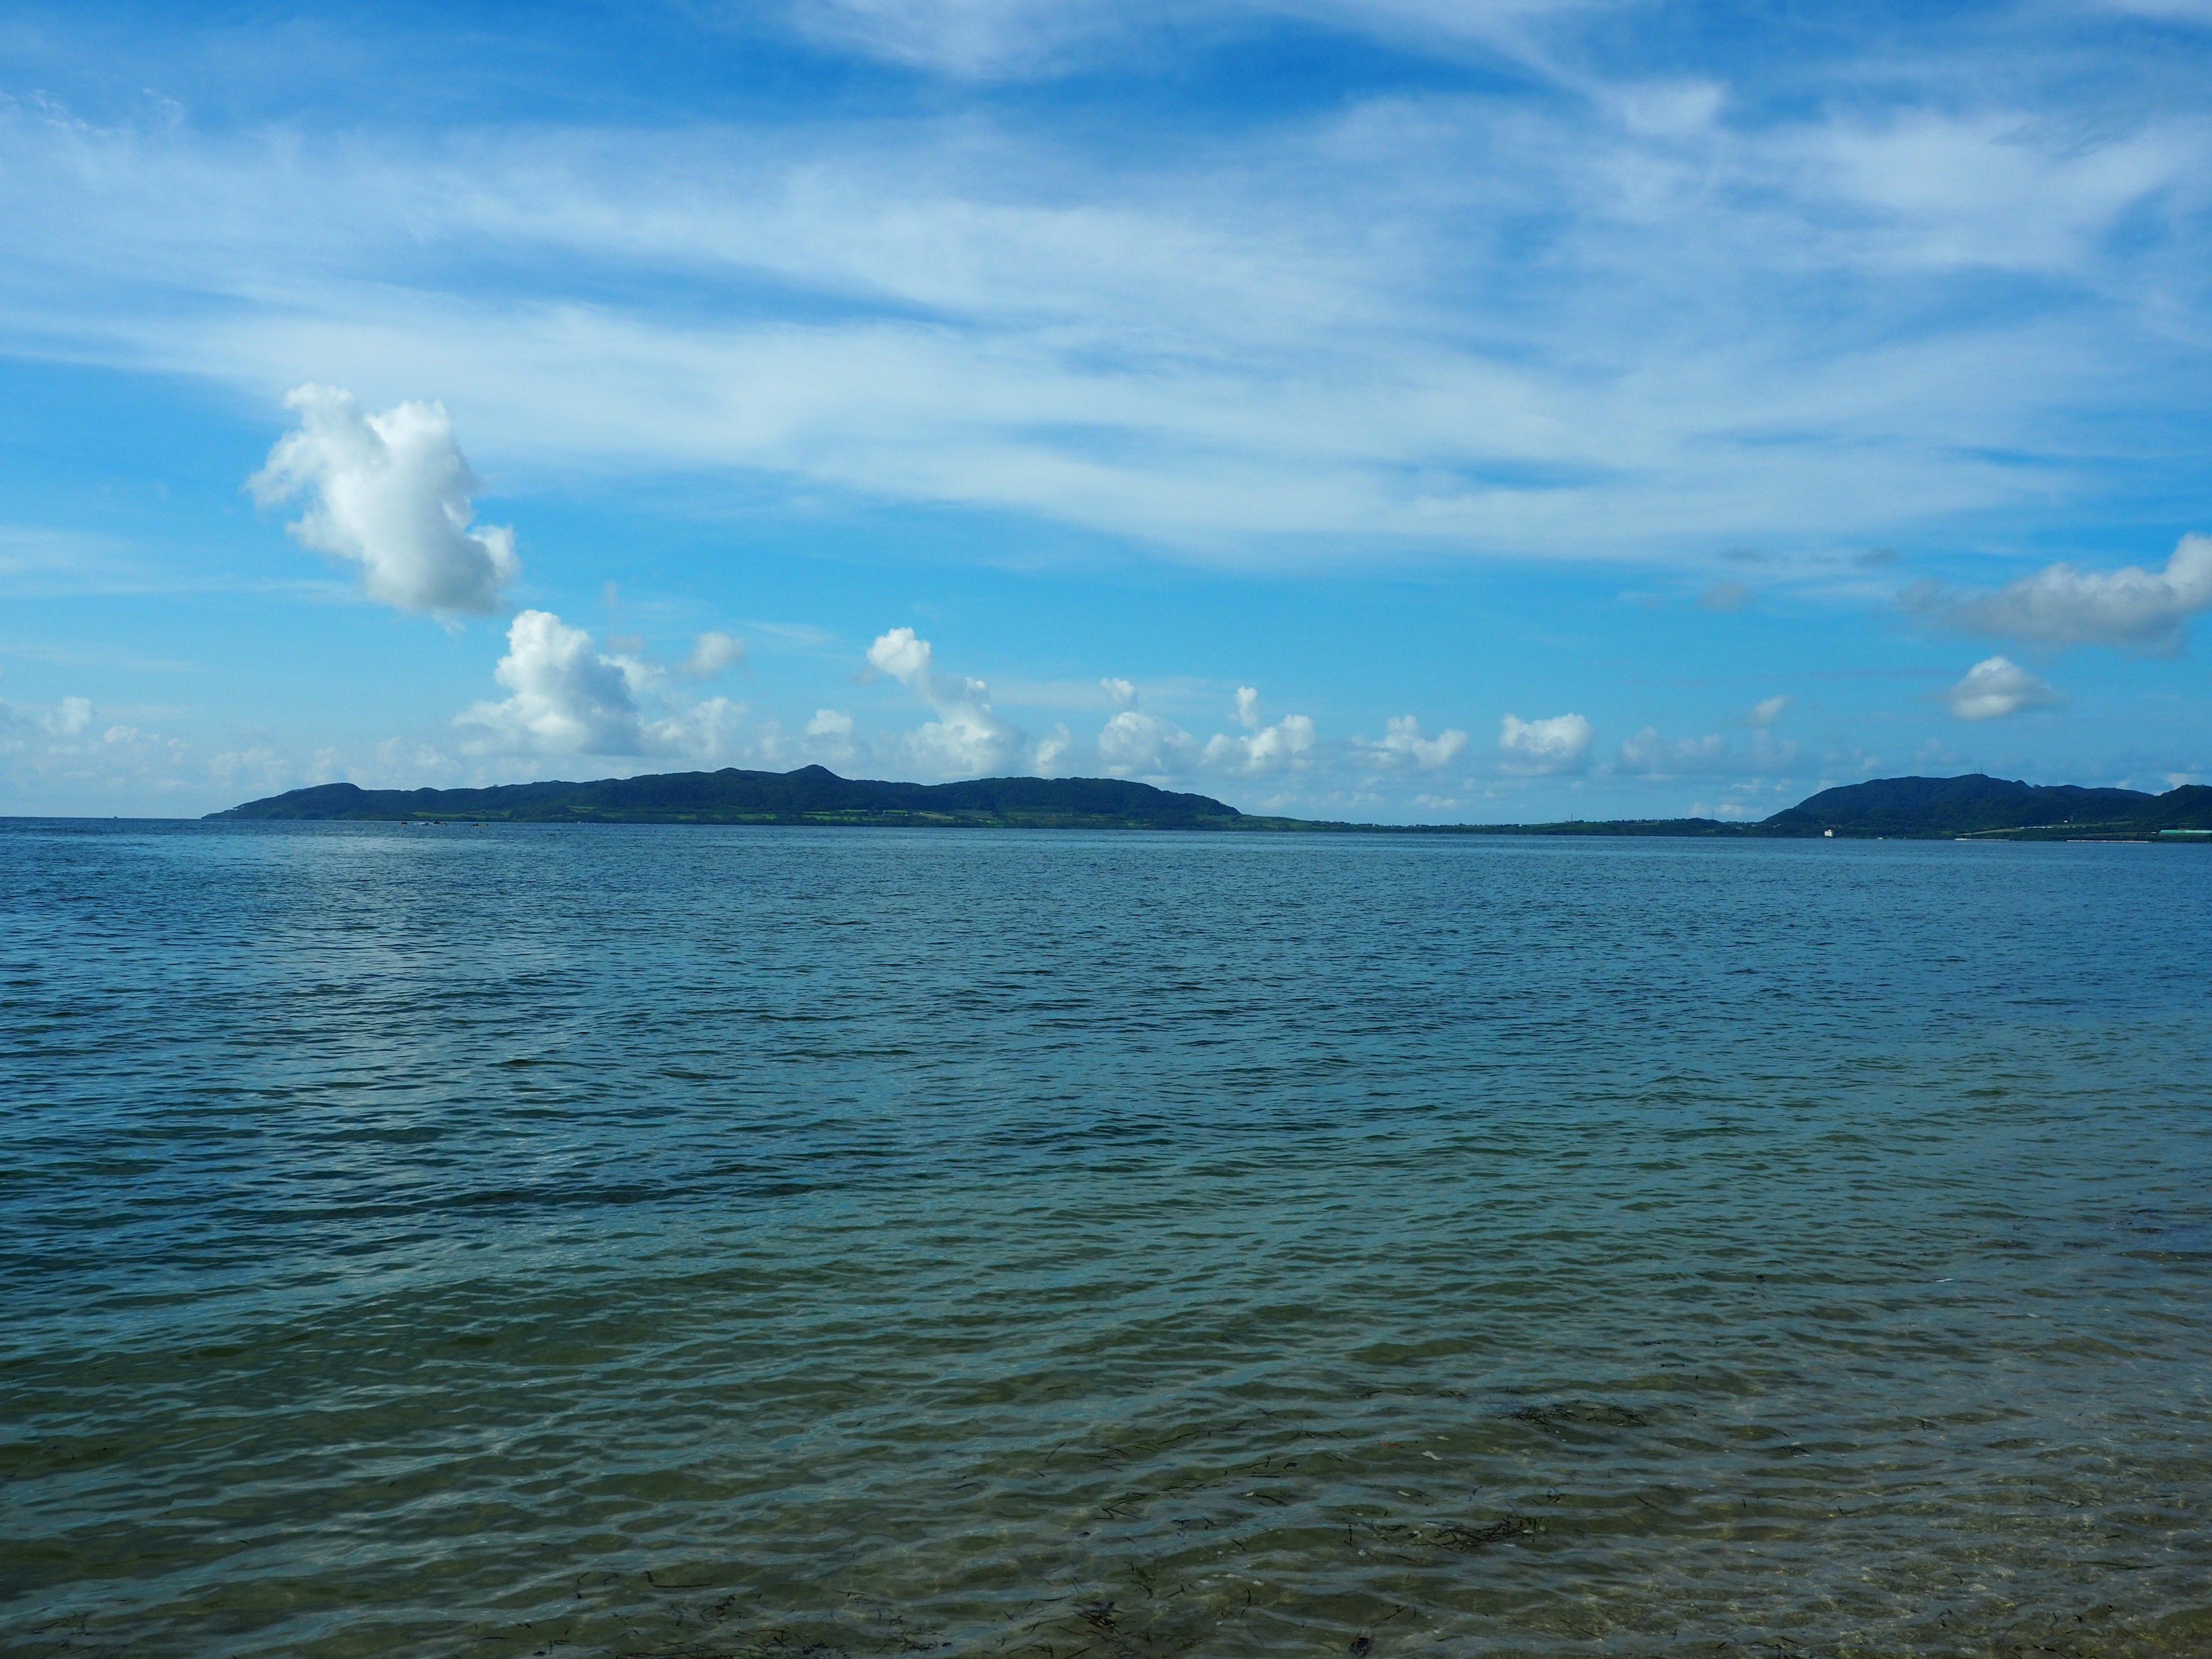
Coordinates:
670	1241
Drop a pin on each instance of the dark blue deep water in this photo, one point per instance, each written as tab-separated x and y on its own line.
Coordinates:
676	1241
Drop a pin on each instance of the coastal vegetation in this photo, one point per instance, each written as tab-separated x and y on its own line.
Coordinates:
1974	808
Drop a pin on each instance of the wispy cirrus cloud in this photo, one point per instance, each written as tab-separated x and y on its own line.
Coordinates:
1271	347
989	40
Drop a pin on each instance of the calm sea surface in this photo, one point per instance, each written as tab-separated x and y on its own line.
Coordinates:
670	1240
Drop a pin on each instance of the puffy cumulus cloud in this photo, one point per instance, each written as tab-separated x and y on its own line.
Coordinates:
1049	753
1123	692
705	731
1767	711
1402	745
2131	609
69	718
968	737
1535	748
568	698
1135	743
57	758
1287	745
830	726
1996	686
901	653
711	654
830	737
391	492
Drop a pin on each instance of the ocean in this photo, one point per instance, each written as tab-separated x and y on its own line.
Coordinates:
720	1241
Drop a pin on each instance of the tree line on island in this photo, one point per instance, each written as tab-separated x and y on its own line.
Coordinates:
1974	807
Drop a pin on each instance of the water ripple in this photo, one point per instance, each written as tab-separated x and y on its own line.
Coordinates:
767	1243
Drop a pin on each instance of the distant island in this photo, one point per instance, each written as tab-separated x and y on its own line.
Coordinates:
812	794
1974	807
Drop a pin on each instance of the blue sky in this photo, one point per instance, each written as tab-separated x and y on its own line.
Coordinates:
1403	411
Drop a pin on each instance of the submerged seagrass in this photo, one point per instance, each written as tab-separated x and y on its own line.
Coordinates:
775	1242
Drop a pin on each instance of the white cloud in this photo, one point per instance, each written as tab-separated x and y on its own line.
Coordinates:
71	718
829	737
1295	340
982	40
1991	187
1286	746
901	653
1247	707
1403	744
2130	608
968	739
1123	692
969	39
1048	753
1534	748
705	732
711	654
1767	710
568	698
391	494
1995	687
1135	743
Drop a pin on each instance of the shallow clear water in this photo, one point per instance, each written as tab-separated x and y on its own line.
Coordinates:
703	1242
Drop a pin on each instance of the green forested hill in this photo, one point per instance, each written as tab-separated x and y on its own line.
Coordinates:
812	794
1979	806
1973	806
